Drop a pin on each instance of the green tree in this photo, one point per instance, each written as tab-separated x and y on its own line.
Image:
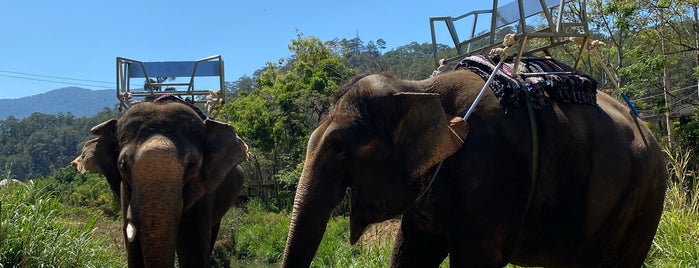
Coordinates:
412	61
276	118
41	144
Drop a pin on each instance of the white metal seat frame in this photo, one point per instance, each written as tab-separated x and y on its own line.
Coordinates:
558	33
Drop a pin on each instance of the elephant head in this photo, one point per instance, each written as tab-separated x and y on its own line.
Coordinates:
384	161
163	161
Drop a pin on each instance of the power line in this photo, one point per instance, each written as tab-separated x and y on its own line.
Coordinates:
682	99
56	77
57	82
660	94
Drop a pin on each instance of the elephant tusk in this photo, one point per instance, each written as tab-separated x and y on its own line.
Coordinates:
130	228
130	232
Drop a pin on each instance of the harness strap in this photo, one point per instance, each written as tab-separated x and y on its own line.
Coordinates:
535	151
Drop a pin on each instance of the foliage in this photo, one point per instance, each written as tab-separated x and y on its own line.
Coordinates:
687	138
260	235
413	61
676	242
81	190
40	144
32	233
276	118
335	250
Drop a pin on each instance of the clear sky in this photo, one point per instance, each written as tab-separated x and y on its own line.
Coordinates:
42	42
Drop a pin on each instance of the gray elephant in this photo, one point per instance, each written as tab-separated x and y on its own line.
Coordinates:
176	174
595	200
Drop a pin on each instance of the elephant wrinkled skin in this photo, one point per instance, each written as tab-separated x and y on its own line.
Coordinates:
596	200
175	174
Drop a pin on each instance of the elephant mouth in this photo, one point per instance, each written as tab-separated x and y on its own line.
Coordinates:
357	228
360	218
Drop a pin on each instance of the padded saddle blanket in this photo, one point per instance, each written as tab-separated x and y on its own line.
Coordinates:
544	89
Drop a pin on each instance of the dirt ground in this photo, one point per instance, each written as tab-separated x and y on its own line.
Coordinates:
380	232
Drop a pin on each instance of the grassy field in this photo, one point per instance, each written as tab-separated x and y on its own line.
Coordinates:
39	229
676	242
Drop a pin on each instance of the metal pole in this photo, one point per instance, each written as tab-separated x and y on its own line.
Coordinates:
668	106
480	94
696	39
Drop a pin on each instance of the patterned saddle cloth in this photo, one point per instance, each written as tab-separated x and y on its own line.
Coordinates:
544	89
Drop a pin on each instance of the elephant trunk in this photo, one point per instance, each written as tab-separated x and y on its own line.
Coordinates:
156	229
156	201
315	199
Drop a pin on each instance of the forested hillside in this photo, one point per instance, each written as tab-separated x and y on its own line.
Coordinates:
41	144
77	101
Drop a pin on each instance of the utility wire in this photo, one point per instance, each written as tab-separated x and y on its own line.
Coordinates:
682	99
660	94
57	82
56	77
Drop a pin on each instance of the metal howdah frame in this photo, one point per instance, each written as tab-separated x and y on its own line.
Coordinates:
142	81
563	21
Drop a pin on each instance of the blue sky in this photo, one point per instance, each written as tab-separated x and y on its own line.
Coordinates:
80	40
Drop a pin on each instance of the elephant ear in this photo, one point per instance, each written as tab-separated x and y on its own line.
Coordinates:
224	150
100	154
86	160
423	132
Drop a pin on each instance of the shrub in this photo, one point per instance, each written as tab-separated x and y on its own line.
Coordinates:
89	190
33	235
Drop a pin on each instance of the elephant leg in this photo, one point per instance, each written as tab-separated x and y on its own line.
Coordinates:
632	249
194	236
214	234
416	248
479	245
134	254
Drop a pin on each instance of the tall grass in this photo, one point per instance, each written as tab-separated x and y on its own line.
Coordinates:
676	242
260	235
32	234
335	250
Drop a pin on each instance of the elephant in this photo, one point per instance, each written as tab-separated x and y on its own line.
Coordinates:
175	172
592	197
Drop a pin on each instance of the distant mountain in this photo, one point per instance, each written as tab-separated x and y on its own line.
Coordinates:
78	101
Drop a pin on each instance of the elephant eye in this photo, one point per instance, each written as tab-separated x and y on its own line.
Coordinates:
341	155
123	166
336	141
